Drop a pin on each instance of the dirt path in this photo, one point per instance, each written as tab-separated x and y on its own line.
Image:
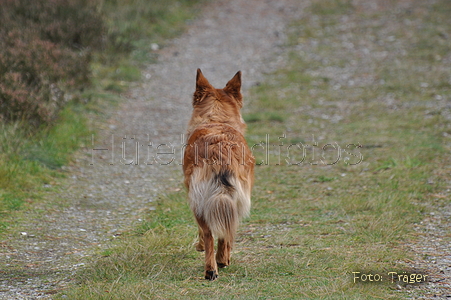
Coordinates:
99	201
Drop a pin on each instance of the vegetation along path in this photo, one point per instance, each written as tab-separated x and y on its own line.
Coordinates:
99	201
352	126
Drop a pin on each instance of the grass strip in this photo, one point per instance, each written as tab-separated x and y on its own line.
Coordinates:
350	147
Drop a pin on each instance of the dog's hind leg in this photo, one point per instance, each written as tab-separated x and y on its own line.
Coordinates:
223	253
200	243
211	270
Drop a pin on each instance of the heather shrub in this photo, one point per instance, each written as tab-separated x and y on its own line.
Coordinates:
45	50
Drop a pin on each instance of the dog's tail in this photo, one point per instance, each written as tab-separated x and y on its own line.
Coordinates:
219	201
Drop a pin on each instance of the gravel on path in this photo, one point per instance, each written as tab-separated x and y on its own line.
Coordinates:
99	201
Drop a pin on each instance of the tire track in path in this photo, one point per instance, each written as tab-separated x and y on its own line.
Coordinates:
99	201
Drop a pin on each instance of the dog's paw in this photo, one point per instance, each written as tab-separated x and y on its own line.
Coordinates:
211	275
223	264
200	247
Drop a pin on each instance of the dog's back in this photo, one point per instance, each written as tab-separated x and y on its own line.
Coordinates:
218	167
220	181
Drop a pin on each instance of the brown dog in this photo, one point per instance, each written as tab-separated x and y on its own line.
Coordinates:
218	168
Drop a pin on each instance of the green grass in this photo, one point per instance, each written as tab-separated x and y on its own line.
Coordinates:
132	24
30	159
312	224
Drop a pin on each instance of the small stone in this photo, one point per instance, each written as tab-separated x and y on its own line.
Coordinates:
154	46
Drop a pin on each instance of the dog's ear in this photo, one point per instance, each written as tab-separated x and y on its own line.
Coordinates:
202	87
233	87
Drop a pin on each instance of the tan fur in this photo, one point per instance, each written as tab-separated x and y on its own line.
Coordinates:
218	168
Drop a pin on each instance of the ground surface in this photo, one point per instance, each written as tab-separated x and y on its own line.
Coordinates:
99	201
